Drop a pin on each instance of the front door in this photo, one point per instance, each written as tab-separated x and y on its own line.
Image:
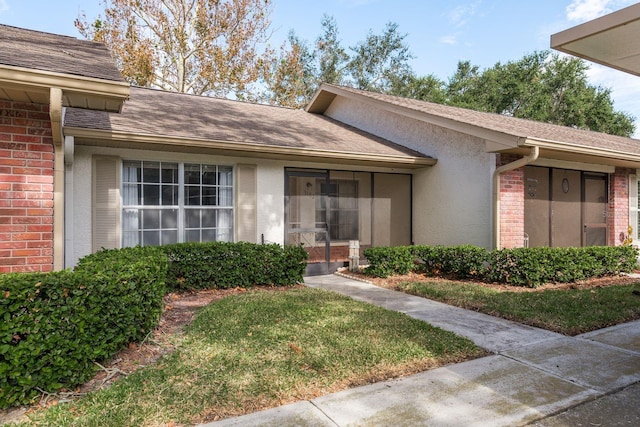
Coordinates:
306	224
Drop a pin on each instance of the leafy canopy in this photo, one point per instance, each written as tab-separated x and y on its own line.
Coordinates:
204	47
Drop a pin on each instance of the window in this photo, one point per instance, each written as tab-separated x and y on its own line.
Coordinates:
167	203
344	216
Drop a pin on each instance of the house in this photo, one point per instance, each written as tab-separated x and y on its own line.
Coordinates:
610	40
88	162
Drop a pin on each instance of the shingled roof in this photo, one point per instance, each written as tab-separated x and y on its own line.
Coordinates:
508	127
163	115
56	53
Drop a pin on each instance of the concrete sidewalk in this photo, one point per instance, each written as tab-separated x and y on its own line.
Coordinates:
532	374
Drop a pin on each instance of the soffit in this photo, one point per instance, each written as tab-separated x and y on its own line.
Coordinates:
610	40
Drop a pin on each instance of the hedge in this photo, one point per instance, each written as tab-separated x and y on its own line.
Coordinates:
54	325
521	266
224	265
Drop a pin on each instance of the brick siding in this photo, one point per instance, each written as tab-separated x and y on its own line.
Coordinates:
26	188
619	205
511	204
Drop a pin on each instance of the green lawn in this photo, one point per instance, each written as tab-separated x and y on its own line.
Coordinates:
568	311
263	349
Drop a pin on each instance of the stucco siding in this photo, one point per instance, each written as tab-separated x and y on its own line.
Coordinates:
452	200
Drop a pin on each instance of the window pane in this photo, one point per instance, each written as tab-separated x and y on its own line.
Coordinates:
226	197
150	238
225	218
192	174
209	175
150	219
132	194
209	235
209	218
169	173
192	195
130	220
223	235
151	195
209	196
169	237
192	218
130	238
151	172
169	195
225	175
192	236
132	172
169	218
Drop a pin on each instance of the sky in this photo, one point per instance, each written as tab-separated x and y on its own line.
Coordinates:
439	33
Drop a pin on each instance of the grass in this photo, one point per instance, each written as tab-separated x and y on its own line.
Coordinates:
263	349
568	311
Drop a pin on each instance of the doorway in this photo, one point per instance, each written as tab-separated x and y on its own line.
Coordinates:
565	208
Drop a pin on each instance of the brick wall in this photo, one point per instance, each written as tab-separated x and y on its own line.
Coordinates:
511	204
619	205
26	188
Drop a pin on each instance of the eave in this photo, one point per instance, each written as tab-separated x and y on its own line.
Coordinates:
242	149
28	85
611	40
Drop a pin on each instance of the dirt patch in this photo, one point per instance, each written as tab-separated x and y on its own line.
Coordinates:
392	282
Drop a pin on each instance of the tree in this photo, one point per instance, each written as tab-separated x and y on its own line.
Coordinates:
290	78
378	63
426	88
331	56
380	59
204	47
541	86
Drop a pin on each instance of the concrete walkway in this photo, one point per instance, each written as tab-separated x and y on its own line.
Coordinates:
532	374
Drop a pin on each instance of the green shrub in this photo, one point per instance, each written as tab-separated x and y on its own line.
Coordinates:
521	266
535	266
54	325
225	265
386	261
464	262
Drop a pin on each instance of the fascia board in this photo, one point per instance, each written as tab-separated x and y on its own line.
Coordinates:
249	148
25	77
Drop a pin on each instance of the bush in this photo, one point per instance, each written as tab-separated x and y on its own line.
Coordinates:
521	266
535	266
225	265
385	261
55	325
464	262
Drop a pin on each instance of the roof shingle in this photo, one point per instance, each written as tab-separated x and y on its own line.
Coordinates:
169	114
55	53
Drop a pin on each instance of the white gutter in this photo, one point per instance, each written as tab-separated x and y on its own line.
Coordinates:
55	115
532	157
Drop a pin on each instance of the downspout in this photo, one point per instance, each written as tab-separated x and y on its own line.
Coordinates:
532	157
55	115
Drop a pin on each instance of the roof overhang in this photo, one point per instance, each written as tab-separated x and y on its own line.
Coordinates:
557	150
495	141
28	85
610	40
242	149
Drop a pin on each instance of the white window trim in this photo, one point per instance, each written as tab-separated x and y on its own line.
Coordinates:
181	206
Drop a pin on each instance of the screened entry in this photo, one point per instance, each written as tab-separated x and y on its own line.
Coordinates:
565	207
326	210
